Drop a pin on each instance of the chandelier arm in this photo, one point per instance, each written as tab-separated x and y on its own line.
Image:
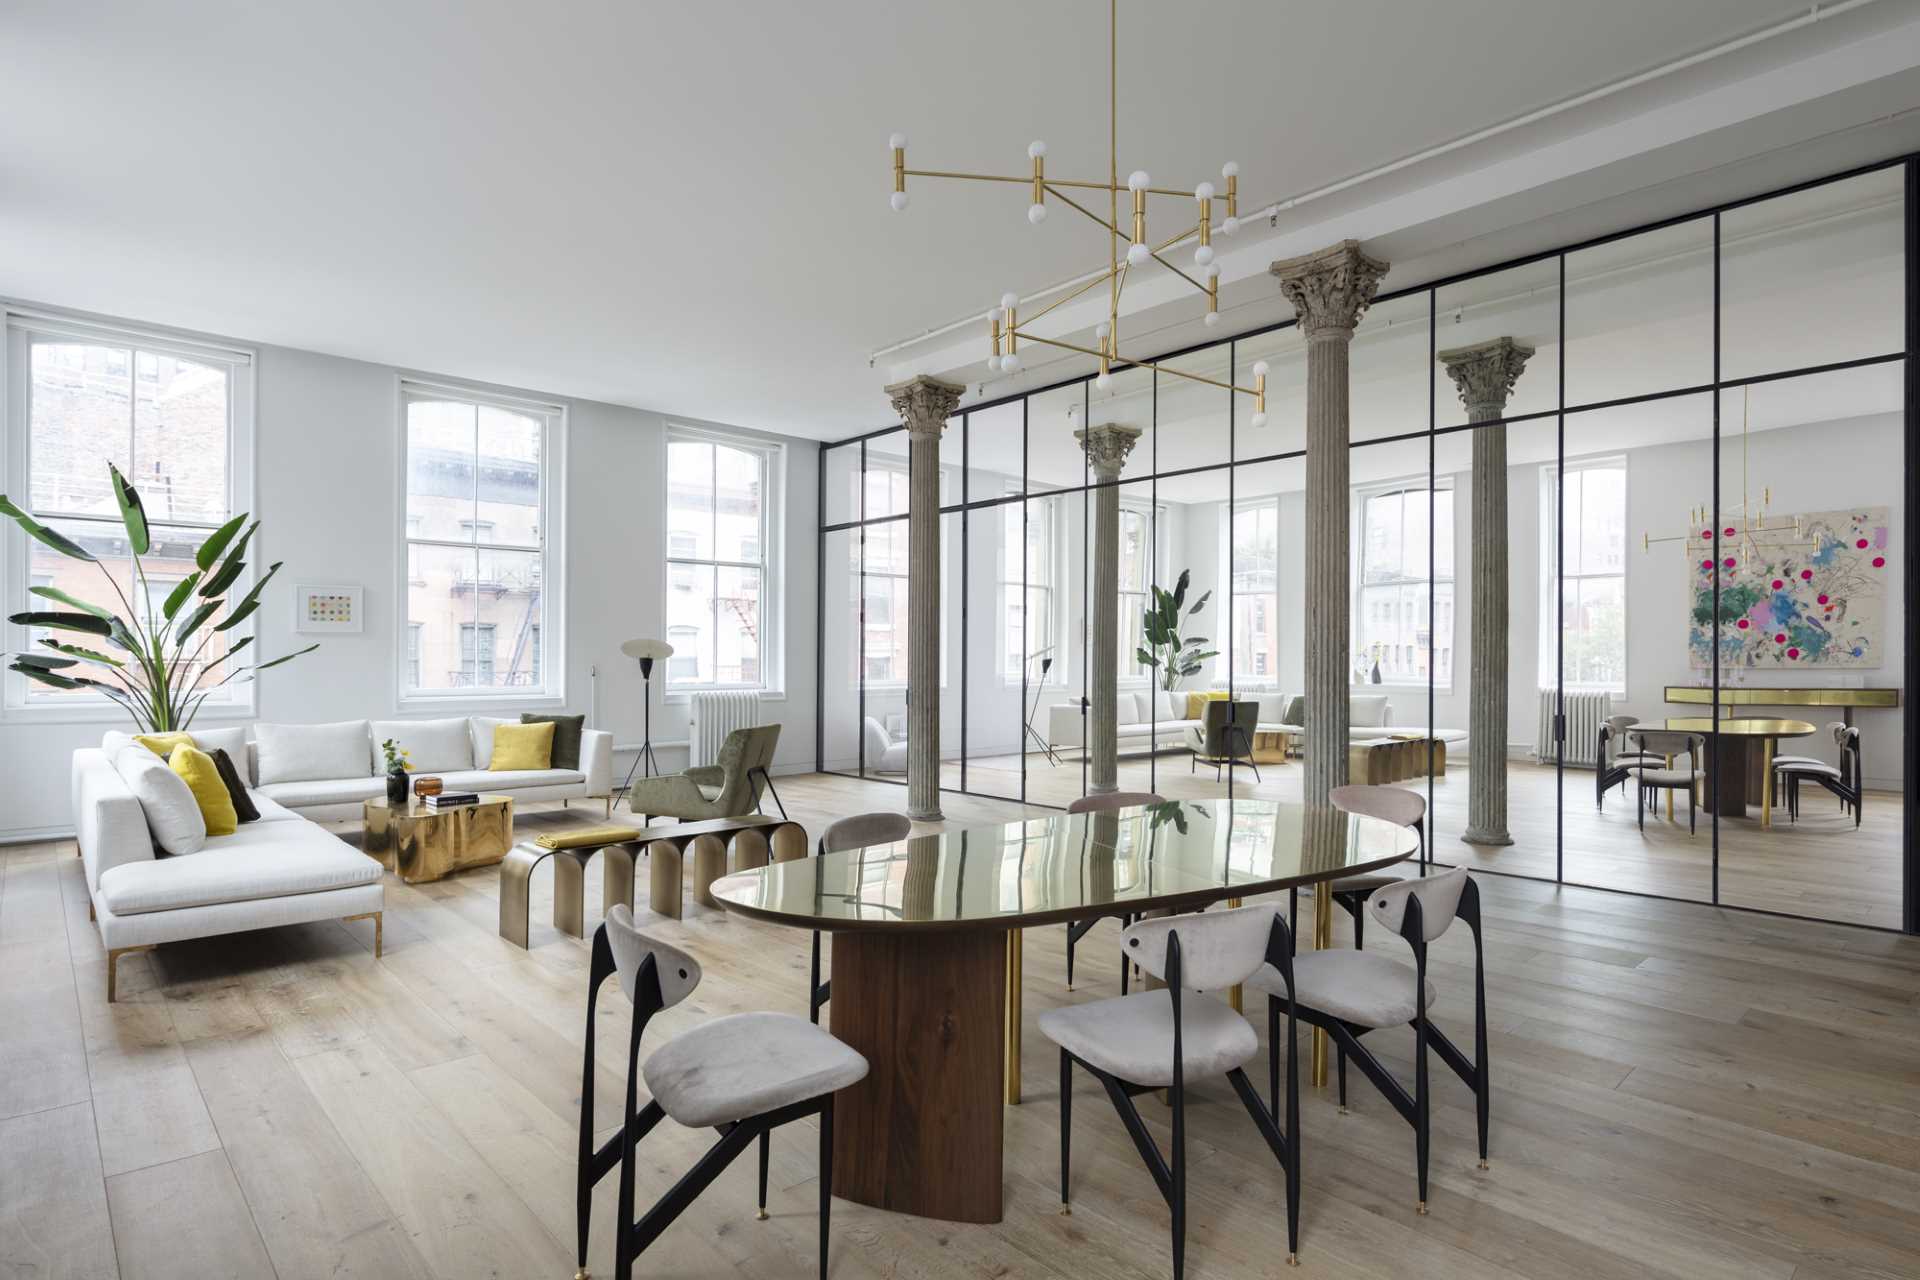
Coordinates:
1177	271
1068	200
1100	279
1026	180
1139	364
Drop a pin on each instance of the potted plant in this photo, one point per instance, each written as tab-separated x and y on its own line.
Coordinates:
1173	655
151	663
397	763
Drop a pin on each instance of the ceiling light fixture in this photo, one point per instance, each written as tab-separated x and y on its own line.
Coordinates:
1005	328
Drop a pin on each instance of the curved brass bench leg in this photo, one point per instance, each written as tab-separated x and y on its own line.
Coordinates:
570	891
665	879
709	864
616	875
749	849
789	842
516	875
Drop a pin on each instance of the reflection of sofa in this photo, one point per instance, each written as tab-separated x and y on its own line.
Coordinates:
886	753
1150	720
1370	717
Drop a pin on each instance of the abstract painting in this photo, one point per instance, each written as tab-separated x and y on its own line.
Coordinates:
1816	599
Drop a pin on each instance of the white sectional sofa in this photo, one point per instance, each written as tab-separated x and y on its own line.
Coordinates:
284	868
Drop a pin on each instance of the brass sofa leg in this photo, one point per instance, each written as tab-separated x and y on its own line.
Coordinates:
113	968
378	919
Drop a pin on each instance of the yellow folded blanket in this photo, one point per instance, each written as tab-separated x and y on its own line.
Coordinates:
587	837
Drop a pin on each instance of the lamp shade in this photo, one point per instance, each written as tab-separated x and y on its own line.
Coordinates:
647	649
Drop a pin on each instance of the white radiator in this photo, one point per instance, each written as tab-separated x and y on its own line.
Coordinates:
1585	713
712	716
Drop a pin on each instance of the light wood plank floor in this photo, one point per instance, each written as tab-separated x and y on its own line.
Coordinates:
1679	1092
1821	867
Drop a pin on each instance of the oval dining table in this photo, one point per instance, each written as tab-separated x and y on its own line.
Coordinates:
927	947
1745	772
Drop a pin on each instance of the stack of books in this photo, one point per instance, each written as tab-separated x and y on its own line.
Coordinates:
452	799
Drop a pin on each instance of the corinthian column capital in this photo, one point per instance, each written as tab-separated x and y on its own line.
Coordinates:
1330	289
1484	374
1107	447
925	404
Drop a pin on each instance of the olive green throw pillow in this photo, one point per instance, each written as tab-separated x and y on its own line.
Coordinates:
566	737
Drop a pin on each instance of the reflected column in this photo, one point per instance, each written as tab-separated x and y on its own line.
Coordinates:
924	404
1329	290
1107	448
1485	373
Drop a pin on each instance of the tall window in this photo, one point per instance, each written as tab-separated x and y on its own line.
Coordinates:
1391	629
479	511
176	419
720	518
1256	591
1026	555
1594	617
1136	579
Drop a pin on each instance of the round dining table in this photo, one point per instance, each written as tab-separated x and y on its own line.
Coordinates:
927	944
1744	772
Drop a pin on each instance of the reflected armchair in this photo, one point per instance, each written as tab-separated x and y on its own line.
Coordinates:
729	789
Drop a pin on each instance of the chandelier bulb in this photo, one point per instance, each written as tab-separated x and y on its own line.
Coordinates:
1138	180
1212	319
1203	192
1137	255
1259	420
1036	214
1203	256
898	201
1229	225
1008	301
1231	169
1101	330
1212	269
1259	368
1010	362
1036	149
1103	381
897	142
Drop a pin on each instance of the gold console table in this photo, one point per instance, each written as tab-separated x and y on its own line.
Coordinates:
1756	696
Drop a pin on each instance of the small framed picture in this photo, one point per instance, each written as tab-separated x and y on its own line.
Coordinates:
327	608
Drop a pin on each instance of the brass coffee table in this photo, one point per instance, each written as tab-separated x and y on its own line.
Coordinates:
419	844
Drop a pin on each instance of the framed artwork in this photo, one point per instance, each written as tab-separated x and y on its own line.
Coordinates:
325	609
1817	598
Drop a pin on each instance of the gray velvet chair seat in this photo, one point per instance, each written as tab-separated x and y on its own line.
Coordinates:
1670	777
1361	987
1362	884
1132	1036
747	1064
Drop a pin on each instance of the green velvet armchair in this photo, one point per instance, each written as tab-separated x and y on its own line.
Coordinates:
729	789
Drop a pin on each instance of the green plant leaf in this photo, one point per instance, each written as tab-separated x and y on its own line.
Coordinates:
43	662
122	635
286	658
239	615
44	676
210	549
133	513
194	619
223	578
1146	659
1201	603
178	596
58	541
253	594
75	651
87	622
239	548
55	593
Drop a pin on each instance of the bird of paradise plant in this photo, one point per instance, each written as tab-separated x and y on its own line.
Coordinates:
161	680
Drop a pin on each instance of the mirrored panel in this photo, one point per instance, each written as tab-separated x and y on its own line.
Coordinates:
1284	352
1387	369
1640	314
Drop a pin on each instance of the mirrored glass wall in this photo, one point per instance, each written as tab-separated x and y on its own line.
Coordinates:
1690	664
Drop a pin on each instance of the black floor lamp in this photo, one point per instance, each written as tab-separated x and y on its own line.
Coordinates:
1039	690
645	651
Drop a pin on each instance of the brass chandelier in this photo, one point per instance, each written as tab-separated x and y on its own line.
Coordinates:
1006	329
1748	534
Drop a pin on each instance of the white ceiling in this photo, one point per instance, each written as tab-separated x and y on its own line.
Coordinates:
683	207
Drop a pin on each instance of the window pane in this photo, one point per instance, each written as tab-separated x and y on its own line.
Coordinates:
737	632
737	503
440	471
690	621
507	605
441	598
509	478
179	438
690	499
1594	629
1601	530
80	402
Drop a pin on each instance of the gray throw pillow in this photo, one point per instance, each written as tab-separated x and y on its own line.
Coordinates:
566	737
1297	712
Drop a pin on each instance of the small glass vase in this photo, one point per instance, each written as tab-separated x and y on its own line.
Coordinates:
397	786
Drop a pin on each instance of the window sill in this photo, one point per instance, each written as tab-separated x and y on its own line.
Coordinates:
466	700
109	714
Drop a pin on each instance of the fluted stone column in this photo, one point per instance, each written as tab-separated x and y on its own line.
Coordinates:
1107	449
1329	290
1485	373
924	404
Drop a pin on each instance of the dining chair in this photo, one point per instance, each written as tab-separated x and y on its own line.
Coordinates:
1668	744
1834	729
1349	993
1845	780
1401	806
857	832
1226	735
1153	1040
1611	767
743	1075
1077	929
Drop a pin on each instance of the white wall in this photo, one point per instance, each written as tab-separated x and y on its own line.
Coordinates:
327	449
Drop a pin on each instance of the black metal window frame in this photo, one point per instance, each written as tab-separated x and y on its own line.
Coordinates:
1909	165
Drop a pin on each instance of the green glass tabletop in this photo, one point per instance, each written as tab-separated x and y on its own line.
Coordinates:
1069	866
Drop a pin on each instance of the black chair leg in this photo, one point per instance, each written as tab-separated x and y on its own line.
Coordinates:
1422	1120
766	1154
1066	1128
1360	927
1179	1172
826	1180
1069	955
1340	1059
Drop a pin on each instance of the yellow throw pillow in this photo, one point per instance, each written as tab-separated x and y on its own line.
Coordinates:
522	746
209	791
163	744
1197	702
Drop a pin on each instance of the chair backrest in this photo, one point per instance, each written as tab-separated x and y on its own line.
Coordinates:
678	972
863	829
1218	949
1620	724
1112	800
1215	719
1669	742
1439	901
1398	805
